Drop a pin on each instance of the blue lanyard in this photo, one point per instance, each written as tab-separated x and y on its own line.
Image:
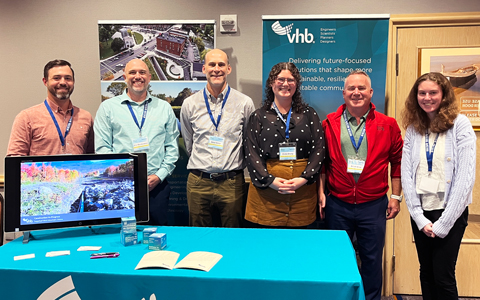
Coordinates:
210	111
144	116
69	125
351	134
427	148
287	122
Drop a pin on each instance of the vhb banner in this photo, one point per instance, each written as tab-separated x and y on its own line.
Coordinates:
325	49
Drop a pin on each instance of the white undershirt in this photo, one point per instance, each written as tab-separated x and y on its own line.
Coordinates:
432	201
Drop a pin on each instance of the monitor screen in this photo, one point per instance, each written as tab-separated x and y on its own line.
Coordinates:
46	192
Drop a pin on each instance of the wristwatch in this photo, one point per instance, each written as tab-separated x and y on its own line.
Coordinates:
399	198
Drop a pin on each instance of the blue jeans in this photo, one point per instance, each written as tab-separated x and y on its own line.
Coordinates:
368	222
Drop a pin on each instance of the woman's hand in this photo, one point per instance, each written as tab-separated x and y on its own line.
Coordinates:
284	186
322	199
295	183
428	230
277	184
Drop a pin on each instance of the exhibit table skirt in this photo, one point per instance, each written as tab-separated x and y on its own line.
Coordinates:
256	264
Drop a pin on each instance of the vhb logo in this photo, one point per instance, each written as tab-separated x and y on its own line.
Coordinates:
65	290
297	37
62	289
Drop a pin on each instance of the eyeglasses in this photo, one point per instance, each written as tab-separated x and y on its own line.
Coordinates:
281	80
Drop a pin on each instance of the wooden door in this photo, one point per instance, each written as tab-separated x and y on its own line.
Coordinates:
410	34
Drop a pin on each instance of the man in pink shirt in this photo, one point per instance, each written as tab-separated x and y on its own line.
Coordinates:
54	126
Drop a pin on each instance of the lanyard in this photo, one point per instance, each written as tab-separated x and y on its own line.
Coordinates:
351	134
210	111
144	116
287	122
427	148
69	125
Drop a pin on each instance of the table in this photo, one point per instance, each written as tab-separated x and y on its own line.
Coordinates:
256	264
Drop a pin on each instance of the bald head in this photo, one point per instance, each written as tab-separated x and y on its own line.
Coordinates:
216	68
137	76
217	53
136	63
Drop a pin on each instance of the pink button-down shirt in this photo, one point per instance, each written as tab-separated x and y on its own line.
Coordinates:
34	132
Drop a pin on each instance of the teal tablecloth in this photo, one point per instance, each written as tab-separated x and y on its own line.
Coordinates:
256	264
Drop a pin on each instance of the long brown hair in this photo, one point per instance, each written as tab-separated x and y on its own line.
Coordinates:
414	115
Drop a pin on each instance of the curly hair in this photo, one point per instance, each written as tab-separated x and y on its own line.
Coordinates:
297	100
448	110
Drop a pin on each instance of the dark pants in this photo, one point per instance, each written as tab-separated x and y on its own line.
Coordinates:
158	202
367	221
438	258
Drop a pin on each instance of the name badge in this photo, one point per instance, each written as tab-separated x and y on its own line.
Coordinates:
355	166
429	185
141	144
216	142
287	151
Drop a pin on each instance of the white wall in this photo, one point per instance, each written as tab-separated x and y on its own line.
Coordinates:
32	32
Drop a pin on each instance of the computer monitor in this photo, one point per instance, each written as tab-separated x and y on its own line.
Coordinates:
58	191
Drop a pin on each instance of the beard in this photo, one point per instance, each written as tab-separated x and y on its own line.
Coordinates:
61	95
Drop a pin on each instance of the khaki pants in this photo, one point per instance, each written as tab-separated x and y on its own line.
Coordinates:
205	196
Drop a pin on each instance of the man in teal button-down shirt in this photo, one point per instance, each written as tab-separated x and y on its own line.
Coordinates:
137	122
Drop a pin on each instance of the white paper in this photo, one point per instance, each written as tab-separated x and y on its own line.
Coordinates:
158	259
26	256
89	248
57	253
199	260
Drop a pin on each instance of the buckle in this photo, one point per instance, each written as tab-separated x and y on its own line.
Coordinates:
215	176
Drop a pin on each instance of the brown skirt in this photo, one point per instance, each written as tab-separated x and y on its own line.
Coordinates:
268	207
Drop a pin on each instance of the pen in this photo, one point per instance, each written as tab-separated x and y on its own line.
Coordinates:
105	256
104	253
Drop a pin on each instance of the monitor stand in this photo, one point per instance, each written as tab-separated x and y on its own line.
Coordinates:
104	229
27	236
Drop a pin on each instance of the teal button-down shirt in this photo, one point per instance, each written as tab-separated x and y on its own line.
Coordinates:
115	130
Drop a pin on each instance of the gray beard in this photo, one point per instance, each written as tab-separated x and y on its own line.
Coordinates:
63	96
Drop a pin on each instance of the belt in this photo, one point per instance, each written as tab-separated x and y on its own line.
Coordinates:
217	176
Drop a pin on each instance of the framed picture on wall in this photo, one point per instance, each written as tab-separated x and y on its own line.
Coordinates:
461	66
174	52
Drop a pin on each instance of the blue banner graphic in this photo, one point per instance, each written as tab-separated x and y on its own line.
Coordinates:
326	50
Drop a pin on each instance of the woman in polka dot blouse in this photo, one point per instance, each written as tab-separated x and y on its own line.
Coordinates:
284	150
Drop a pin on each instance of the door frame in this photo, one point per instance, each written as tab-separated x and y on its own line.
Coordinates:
396	22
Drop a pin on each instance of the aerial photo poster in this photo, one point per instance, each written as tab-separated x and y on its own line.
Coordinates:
325	49
174	52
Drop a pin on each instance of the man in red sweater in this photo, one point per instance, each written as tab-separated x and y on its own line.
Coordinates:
361	143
